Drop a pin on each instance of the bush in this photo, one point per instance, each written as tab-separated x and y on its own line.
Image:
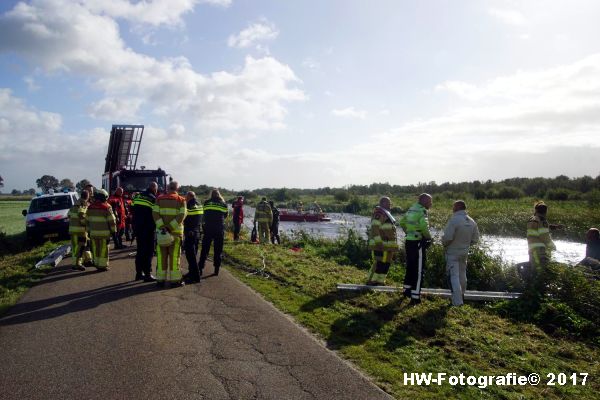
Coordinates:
559	194
356	205
341	195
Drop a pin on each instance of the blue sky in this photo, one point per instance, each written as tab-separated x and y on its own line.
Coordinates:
246	94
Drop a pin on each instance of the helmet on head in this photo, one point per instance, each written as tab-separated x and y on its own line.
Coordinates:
541	207
100	194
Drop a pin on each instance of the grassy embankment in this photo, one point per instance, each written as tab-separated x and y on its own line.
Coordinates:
385	337
17	257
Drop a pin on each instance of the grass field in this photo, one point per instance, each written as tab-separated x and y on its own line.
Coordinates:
11	220
385	337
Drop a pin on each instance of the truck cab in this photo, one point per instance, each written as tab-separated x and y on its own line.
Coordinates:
48	215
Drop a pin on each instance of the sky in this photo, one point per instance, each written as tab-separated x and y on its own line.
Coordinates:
302	93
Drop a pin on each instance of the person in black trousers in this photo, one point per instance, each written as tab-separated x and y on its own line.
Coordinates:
275	224
215	212
144	227
191	236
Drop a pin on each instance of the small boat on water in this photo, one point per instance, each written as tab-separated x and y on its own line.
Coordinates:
302	216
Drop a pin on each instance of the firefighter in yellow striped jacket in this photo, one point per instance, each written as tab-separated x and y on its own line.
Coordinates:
539	241
77	230
264	217
169	213
101	225
382	242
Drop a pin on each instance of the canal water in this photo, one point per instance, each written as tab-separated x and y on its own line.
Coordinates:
511	250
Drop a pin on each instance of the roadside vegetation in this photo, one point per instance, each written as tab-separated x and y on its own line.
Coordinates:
385	337
17	256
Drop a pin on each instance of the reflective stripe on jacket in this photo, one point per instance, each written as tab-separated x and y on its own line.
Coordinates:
263	213
538	234
415	223
77	215
383	232
215	213
169	213
100	220
193	220
141	207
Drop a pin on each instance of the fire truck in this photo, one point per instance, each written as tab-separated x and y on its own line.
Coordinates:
121	161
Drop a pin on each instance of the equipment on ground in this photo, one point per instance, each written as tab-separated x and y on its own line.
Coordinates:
121	161
475	295
55	257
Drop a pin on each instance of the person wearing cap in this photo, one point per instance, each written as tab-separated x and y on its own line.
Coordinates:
539	241
382	242
168	213
238	217
101	224
460	233
215	213
418	238
263	216
77	230
191	234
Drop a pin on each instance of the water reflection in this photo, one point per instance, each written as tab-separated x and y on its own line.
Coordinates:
511	250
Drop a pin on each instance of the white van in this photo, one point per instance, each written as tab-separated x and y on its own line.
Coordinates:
48	215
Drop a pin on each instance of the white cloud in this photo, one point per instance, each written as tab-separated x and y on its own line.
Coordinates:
311	63
349	112
112	109
508	16
254	33
155	12
75	40
31	85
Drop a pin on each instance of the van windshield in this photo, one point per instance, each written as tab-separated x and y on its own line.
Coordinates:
54	203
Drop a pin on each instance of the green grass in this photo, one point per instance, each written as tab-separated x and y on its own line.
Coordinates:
11	220
17	273
385	338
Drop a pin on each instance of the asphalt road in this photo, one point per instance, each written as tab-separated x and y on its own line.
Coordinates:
100	335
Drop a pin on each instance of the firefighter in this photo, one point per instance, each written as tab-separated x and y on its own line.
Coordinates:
101	225
215	212
79	237
264	217
460	233
191	233
144	231
169	213
117	203
129	236
90	189
382	242
418	238
238	217
539	241
275	223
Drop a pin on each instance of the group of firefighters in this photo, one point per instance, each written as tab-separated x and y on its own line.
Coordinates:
167	223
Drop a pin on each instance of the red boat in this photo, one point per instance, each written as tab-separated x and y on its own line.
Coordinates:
302	216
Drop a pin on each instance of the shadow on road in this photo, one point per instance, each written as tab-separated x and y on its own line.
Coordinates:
75	302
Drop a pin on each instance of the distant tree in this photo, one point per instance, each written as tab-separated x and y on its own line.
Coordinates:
66	184
15	192
281	195
47	182
82	184
1	182
30	192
